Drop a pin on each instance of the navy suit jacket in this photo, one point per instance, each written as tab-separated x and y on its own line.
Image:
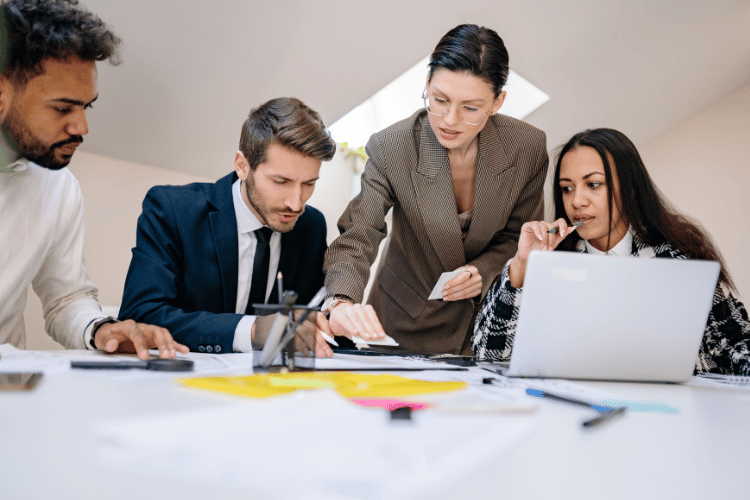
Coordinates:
184	271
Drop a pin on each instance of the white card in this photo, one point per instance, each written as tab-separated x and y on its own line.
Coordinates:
387	340
437	292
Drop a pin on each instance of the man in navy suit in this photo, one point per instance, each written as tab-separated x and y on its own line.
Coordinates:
206	252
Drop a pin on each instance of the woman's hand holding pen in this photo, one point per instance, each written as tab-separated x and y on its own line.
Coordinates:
464	286
536	235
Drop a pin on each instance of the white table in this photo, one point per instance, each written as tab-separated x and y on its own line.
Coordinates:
48	443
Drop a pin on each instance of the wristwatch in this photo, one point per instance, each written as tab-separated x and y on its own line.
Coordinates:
96	326
332	302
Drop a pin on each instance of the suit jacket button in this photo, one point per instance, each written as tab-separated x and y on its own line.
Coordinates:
201	348
209	348
217	348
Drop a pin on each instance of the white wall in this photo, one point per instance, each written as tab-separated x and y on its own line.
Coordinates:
703	167
113	191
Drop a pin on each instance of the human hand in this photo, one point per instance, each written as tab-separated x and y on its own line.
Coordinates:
307	339
464	286
349	319
535	235
129	336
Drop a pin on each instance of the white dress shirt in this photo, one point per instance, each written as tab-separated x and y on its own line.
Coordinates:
247	223
623	248
41	243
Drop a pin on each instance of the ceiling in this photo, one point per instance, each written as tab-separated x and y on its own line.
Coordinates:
193	69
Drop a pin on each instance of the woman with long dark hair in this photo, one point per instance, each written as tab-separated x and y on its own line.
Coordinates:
461	181
601	185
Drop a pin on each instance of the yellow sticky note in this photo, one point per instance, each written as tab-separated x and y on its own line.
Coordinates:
348	384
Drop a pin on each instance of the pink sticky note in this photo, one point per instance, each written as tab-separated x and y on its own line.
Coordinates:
388	404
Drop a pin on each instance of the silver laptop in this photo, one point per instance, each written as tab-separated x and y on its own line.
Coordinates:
611	318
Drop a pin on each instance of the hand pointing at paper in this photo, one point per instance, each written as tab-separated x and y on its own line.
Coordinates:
350	319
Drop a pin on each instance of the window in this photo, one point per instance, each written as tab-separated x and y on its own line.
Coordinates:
400	98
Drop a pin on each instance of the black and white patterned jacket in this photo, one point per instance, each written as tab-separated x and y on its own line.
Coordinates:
726	340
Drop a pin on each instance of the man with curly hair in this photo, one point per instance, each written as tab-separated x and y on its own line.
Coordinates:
48	55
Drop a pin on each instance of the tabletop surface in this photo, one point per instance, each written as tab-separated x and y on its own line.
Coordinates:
52	444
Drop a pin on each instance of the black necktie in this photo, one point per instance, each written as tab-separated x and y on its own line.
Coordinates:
260	270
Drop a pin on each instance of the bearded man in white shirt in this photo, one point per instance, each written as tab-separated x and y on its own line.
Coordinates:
48	80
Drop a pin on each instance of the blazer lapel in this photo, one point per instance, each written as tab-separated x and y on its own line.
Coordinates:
491	176
433	187
223	224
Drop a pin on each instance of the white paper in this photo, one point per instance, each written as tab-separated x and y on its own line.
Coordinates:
204	364
558	386
387	340
313	444
723	381
13	360
437	291
359	361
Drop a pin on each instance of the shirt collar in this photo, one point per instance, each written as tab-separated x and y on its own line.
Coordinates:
623	248
247	222
10	160
16	166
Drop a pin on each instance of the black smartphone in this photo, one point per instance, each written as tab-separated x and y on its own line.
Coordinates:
455	359
19	381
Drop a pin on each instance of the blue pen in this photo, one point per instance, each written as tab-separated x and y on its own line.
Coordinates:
606	412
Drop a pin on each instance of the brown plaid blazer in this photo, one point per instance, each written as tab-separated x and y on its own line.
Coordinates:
408	170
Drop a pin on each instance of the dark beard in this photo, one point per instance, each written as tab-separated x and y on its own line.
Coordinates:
22	139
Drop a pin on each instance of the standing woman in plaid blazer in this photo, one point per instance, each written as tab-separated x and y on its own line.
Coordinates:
461	181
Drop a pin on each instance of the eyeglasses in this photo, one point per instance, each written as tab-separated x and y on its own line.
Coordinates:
470	115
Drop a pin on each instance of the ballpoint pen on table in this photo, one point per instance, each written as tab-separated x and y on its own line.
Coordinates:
606	413
605	416
553	230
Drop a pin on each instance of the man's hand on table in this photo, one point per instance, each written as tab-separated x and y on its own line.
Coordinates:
129	336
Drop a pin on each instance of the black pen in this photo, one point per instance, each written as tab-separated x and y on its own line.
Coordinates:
605	412
553	230
605	416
